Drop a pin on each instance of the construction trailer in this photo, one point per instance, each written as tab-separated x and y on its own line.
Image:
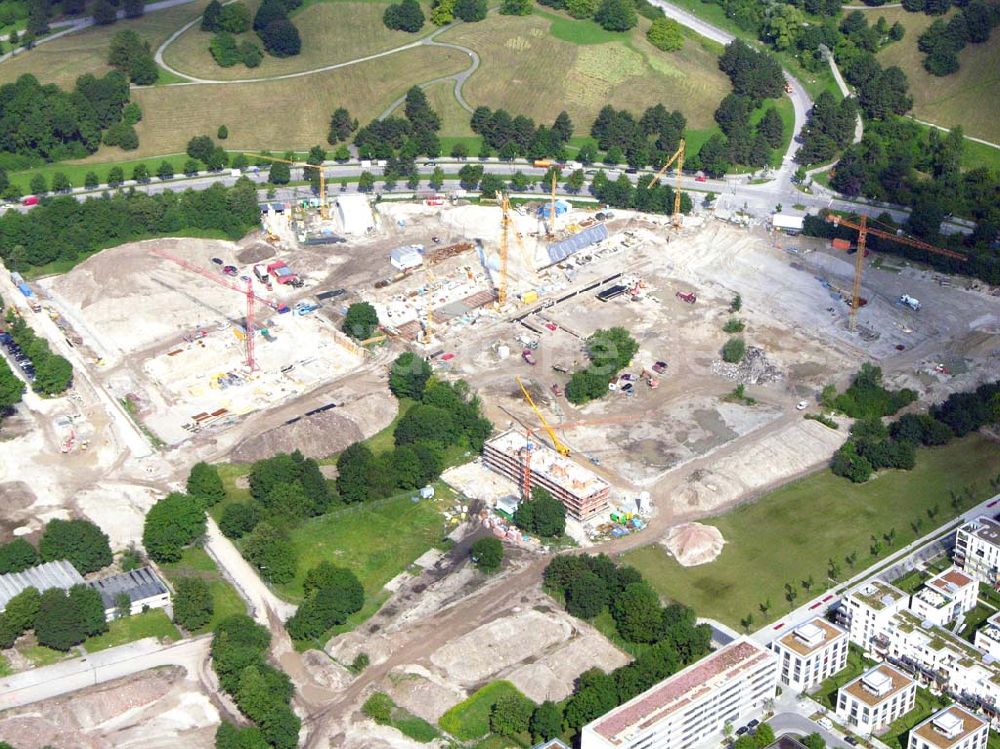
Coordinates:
583	493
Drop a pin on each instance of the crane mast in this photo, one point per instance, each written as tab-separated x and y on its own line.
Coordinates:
324	211
679	158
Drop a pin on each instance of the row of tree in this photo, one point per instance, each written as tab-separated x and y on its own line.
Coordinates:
79	542
60	618
512	137
648	140
262	692
609	351
829	129
873	445
63	228
592	584
409	136
11	390
44	123
53	373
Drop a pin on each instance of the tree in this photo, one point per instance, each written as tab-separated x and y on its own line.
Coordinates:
487	554
91	180
404	16
269	549
134	8
511	714
426	423
165	171
238	519
80	542
772	128
814	741
279	173
58	624
542	514
546	722
581	8
90	607
470	11
666	34
341	126
235	18
140	174
281	38
193	603
205	483
17	556
366	182
734	350
408	376
332	595
38	185
361	321
211	18
353	466
19	616
174	522
763	736
443	12
268	12
637	613
104	13
116	176
586	595
617	15
60	183
515	7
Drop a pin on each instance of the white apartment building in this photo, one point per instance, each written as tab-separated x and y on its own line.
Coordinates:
692	706
988	637
810	653
977	549
940	658
945	597
876	698
951	728
870	609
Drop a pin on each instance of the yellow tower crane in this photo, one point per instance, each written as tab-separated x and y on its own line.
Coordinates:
679	158
323	209
557	443
505	222
552	204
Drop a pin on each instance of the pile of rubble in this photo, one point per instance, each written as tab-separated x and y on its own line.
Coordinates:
754	369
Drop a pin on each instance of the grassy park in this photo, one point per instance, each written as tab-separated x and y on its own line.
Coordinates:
789	535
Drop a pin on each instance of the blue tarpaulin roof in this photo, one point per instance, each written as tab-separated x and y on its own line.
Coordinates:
546	208
562	250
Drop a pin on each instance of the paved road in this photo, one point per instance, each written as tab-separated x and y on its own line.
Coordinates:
799	725
107	665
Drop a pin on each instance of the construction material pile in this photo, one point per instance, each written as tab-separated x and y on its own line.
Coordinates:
754	369
692	544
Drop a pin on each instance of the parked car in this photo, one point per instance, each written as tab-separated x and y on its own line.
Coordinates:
660	367
753	723
851	740
741	730
701	178
802	405
230	270
217	261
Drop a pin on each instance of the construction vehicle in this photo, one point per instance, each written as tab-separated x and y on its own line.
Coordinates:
864	230
557	390
687	296
528	356
324	210
252	299
910	302
650	380
679	158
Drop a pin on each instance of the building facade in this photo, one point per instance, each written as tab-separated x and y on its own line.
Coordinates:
988	637
977	549
869	609
730	685
142	587
951	728
946	597
876	698
811	653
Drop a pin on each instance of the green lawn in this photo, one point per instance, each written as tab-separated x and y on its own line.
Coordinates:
152	623
975	618
899	731
39	655
911	581
470	719
789	535
5	669
857	664
580	31
197	563
376	540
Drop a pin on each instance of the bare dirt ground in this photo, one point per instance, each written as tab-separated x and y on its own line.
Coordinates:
154	710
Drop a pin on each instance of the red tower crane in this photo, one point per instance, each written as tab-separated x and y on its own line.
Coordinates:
251	296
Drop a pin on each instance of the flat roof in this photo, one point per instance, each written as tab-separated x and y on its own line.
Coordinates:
786	221
858	691
137	585
793	641
660	701
877	594
933	736
985	528
550	465
950	580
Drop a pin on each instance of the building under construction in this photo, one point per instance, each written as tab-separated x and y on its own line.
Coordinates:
525	460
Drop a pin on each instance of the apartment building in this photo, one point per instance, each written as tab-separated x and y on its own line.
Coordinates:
691	707
977	549
988	637
876	698
870	608
810	653
951	728
945	597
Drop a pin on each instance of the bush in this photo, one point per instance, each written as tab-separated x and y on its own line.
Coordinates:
487	554
17	556
734	325
515	7
235	18
224	50
80	542
617	15
238	519
866	397
470	11
193	603
734	350
666	34
174	522
511	714
379	708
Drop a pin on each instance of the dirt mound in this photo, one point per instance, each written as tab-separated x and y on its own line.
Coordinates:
693	543
755	369
315	436
255	253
